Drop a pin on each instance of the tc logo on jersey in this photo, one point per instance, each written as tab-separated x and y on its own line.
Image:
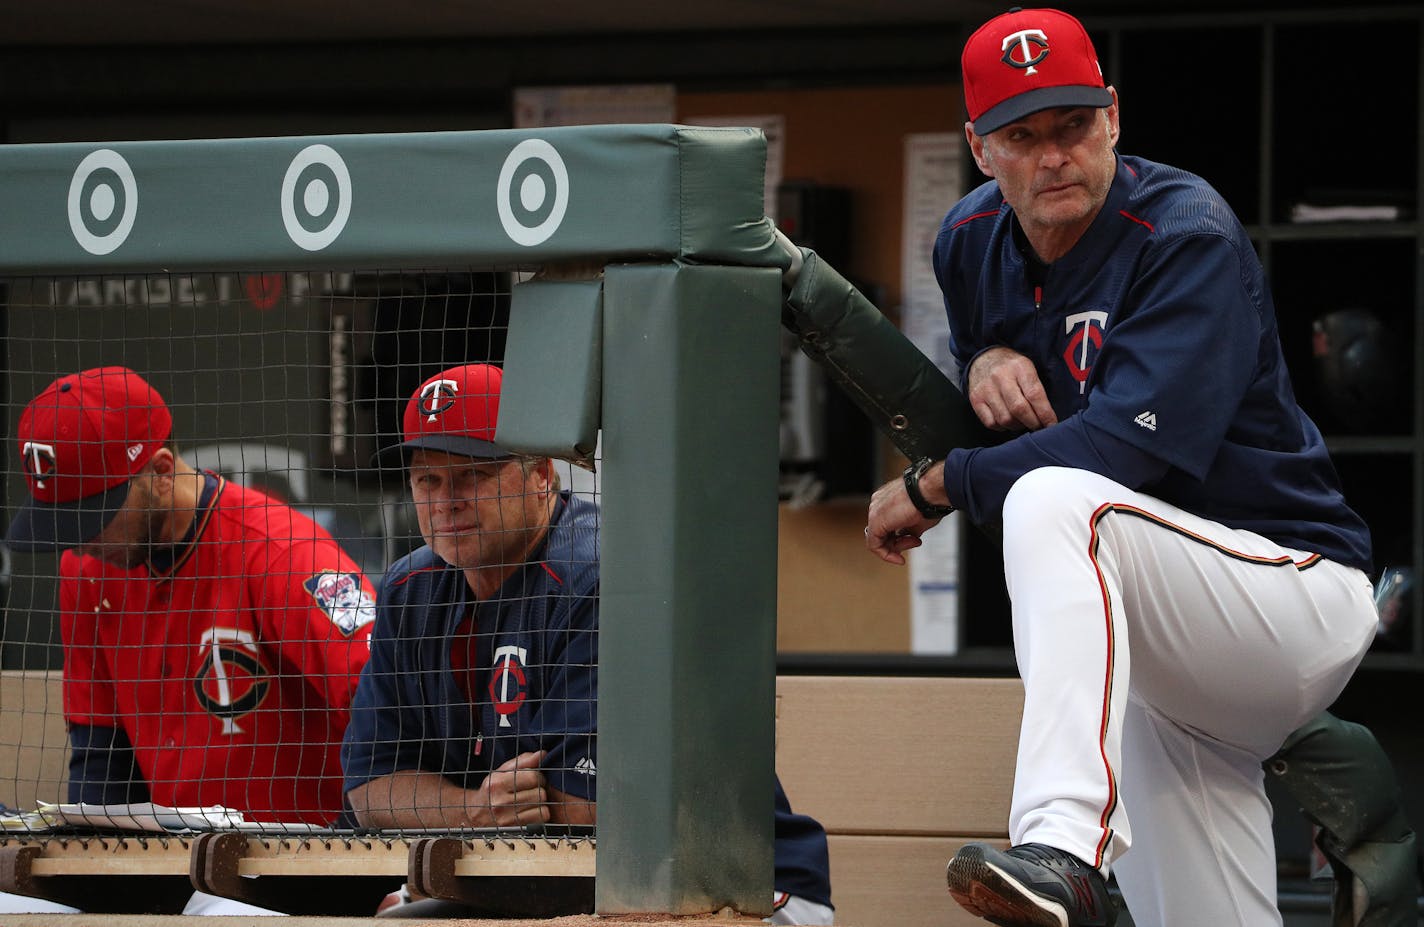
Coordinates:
436	397
344	600
39	461
1032	46
508	686
232	681
1085	338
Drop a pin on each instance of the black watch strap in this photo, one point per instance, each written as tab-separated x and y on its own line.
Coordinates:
912	486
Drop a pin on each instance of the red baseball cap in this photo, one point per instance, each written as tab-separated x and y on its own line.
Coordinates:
80	442
454	411
1024	61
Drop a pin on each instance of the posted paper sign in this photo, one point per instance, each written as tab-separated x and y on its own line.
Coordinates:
932	184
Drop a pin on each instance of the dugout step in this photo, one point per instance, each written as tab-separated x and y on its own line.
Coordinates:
505	878
283	875
535	874
97	875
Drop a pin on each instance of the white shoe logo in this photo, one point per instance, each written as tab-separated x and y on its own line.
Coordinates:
586	767
1147	420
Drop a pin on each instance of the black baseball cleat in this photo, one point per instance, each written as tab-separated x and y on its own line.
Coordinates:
1030	885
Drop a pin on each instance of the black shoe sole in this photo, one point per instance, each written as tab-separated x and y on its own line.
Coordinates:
986	892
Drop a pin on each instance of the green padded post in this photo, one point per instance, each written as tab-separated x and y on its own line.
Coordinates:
552	365
687	646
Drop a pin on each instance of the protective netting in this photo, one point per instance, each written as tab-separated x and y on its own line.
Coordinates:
196	665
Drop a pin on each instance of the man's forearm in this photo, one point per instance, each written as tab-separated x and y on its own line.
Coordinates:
410	799
419	800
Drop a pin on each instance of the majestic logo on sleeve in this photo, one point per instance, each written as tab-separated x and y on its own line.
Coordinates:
232	681
39	461
508	686
436	397
1085	339
343	598
1032	46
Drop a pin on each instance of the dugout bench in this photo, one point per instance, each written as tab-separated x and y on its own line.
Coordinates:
313	874
851	751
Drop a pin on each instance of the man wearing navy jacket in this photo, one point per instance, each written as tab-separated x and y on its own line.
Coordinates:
1188	583
478	707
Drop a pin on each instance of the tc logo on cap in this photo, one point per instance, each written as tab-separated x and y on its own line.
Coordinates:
39	461
454	411
437	396
81	441
1008	74
1022	40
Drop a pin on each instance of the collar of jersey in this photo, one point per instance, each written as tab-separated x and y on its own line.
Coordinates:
1107	226
538	559
164	563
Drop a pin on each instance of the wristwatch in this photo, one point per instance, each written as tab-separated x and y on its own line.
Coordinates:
912	486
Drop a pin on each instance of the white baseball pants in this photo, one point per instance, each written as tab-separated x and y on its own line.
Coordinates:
1164	657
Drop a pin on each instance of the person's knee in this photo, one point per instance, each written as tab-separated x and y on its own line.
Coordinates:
1048	493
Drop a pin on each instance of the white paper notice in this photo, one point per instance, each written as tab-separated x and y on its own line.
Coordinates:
932	185
145	816
932	182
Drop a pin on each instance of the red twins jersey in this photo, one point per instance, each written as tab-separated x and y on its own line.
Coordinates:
231	669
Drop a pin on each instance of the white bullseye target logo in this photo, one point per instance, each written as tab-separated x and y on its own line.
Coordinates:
103	201
313	212
533	192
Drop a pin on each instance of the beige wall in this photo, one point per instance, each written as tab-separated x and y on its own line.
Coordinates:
833	596
34	748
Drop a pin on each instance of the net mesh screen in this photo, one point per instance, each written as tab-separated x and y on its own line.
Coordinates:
197	662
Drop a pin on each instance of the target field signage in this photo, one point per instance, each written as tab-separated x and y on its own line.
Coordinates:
533	192
103	201
356	201
316	197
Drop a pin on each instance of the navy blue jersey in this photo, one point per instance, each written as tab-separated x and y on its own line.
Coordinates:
536	661
537	648
1155	338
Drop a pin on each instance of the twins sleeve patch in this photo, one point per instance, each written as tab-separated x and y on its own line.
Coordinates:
344	600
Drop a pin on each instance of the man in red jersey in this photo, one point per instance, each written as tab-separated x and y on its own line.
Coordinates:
212	636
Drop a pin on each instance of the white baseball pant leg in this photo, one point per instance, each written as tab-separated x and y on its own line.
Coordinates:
793	909
25	904
205	905
1172	653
